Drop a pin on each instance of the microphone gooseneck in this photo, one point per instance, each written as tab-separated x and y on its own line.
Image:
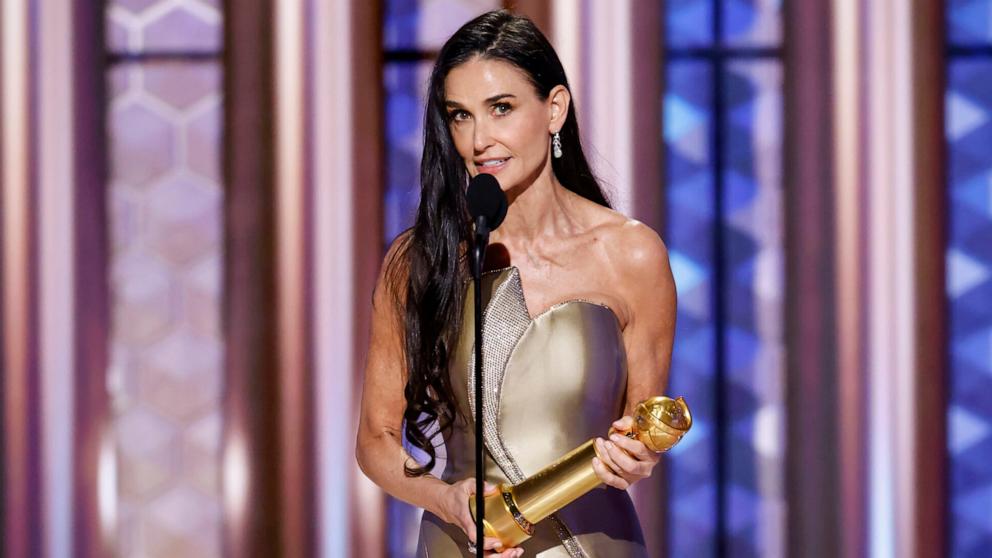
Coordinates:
487	205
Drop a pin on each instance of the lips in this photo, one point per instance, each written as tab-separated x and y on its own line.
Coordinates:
492	166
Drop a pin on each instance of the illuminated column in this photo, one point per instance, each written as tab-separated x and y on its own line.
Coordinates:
53	296
889	238
22	530
346	146
612	56
304	245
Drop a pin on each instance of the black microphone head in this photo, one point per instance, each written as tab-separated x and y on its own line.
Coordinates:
486	199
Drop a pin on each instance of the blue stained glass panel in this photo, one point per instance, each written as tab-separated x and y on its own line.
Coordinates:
690	196
405	86
753	286
400	21
969	22
751	23
969	290
424	25
689	23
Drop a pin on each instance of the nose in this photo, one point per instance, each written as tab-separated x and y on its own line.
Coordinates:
481	138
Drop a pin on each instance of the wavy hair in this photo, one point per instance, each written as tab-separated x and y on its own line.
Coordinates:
433	250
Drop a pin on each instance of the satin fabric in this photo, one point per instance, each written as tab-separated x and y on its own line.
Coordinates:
553	381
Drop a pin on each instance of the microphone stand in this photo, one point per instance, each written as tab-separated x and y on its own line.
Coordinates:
479	256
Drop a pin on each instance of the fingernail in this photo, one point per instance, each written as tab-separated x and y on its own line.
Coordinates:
615	437
609	445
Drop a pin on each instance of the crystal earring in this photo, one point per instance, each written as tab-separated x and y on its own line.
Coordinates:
556	145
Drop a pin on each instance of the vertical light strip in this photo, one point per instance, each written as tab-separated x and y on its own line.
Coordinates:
291	281
608	106
14	125
611	76
901	189
847	40
891	362
566	16
881	359
333	254
595	43
56	201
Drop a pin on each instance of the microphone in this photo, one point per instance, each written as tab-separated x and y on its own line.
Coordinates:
487	204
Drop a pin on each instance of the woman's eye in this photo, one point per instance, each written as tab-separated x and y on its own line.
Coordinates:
457	115
502	108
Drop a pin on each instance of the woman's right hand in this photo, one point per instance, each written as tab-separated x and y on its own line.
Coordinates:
453	508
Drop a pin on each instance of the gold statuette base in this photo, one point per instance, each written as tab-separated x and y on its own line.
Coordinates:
503	519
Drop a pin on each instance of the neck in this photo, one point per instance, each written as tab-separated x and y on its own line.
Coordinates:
538	208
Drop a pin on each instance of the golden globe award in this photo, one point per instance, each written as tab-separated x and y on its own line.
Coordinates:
512	512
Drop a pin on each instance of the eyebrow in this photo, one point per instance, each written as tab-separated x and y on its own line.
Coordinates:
492	99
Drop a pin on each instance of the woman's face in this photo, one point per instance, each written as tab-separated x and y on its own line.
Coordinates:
499	124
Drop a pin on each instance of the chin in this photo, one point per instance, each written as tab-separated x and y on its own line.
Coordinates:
505	180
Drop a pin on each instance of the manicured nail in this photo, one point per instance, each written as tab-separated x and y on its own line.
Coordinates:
615	437
609	445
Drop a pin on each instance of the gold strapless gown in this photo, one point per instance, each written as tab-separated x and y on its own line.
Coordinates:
551	384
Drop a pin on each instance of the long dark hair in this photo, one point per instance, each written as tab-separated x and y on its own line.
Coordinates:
433	250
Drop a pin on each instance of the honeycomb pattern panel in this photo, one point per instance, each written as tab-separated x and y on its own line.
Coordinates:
176	26
165	209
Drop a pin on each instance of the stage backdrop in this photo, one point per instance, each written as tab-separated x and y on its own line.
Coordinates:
969	272
165	202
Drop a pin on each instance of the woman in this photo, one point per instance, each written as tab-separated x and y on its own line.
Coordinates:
580	309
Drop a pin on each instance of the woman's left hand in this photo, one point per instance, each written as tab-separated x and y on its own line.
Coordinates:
624	460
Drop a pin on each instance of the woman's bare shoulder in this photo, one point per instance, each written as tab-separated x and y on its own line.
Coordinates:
629	243
641	247
636	257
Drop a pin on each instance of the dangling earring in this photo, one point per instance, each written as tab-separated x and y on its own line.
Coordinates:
556	145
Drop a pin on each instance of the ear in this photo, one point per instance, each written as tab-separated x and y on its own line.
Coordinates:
559	100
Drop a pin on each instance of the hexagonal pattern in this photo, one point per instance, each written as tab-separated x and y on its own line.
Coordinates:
201	287
202	468
182	226
144	305
165	210
175	522
182	85
142	143
180	26
203	142
134	6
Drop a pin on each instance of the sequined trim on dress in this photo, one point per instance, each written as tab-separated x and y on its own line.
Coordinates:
504	322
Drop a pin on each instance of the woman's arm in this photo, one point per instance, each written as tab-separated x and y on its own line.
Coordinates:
379	447
648	288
